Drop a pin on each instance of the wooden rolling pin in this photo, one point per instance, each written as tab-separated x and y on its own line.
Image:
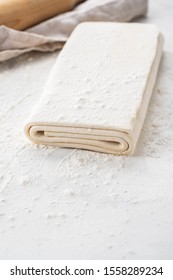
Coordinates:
21	14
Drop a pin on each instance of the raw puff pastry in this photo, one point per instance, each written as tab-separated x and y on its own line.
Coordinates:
97	94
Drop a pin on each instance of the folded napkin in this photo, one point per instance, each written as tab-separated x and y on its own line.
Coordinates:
53	33
97	95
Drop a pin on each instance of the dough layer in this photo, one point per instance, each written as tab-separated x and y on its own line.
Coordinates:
97	94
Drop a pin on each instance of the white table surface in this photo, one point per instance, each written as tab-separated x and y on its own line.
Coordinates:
68	204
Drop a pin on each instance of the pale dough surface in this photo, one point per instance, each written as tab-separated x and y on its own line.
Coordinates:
98	92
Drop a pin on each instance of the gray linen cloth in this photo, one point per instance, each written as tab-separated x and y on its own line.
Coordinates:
51	34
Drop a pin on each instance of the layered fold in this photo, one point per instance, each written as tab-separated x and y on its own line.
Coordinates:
95	139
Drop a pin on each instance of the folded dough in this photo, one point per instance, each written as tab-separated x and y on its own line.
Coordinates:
97	95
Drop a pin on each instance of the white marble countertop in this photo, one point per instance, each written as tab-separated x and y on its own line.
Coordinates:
68	204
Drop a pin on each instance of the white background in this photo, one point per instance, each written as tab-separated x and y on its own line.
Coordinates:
65	204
